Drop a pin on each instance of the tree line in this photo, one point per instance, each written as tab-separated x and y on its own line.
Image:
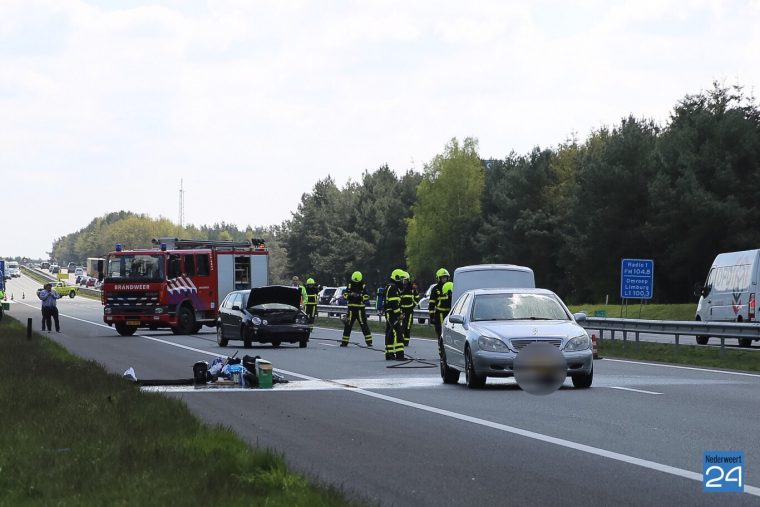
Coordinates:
677	193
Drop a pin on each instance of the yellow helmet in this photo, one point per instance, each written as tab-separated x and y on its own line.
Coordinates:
448	287
398	274
441	272
356	277
310	281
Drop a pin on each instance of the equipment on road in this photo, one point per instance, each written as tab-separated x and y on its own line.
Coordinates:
178	284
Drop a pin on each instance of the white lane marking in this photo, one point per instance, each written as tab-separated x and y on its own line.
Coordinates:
634	390
652	465
756	375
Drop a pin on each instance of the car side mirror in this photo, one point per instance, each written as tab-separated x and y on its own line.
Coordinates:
456	319
236	308
580	316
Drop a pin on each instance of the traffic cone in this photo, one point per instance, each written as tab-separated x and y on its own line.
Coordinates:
594	347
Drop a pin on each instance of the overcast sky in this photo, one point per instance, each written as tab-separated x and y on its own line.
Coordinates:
107	105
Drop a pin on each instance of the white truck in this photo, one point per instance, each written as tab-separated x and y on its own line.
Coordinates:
730	291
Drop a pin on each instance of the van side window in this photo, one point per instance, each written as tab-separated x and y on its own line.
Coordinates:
201	264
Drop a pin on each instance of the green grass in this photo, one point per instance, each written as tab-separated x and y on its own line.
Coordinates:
682	354
75	435
636	311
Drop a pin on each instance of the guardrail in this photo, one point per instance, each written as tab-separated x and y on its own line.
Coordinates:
676	328
343	310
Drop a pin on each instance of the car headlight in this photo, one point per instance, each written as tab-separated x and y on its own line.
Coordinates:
255	321
492	344
581	342
264	322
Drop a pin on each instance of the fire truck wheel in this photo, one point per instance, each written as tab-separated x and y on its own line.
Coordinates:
220	339
175	330
125	330
275	343
185	321
303	342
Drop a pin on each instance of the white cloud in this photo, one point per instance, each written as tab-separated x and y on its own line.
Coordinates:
252	102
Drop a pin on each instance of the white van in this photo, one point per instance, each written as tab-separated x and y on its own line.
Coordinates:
12	268
491	276
730	291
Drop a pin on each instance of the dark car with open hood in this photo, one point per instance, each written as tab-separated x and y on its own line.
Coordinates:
268	314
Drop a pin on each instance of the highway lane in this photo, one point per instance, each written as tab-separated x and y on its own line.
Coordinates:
400	437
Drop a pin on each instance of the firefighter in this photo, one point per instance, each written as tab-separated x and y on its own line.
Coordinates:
443	307
410	296
437	292
312	296
394	342
357	297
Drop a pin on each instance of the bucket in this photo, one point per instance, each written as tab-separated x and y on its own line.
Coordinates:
264	373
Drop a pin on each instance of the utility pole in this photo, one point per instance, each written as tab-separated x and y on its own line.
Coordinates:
181	204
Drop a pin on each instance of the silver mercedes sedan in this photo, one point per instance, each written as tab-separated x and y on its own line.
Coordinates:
487	328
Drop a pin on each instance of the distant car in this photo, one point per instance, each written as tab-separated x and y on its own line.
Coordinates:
54	268
90	282
423	304
71	267
79	271
64	289
268	314
488	327
339	297
325	295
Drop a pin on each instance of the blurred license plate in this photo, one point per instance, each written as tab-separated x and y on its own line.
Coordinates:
133	322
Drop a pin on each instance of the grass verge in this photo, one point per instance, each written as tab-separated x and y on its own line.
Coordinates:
636	311
75	435
691	355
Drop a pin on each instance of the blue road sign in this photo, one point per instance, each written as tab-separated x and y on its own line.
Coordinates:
636	278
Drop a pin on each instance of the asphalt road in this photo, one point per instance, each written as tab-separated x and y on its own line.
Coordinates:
397	436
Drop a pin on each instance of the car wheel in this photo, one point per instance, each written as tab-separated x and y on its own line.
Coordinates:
246	341
185	321
449	375
745	342
303	342
275	343
702	340
72	294
125	330
474	381
583	381
220	339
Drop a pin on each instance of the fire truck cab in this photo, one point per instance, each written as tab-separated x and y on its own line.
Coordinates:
179	283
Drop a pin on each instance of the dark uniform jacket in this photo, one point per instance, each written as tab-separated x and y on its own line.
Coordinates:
356	294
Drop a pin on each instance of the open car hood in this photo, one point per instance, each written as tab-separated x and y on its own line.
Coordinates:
275	294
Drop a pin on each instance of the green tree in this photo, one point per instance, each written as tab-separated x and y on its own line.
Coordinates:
446	215
704	197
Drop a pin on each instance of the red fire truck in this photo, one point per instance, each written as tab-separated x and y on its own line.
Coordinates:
178	284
